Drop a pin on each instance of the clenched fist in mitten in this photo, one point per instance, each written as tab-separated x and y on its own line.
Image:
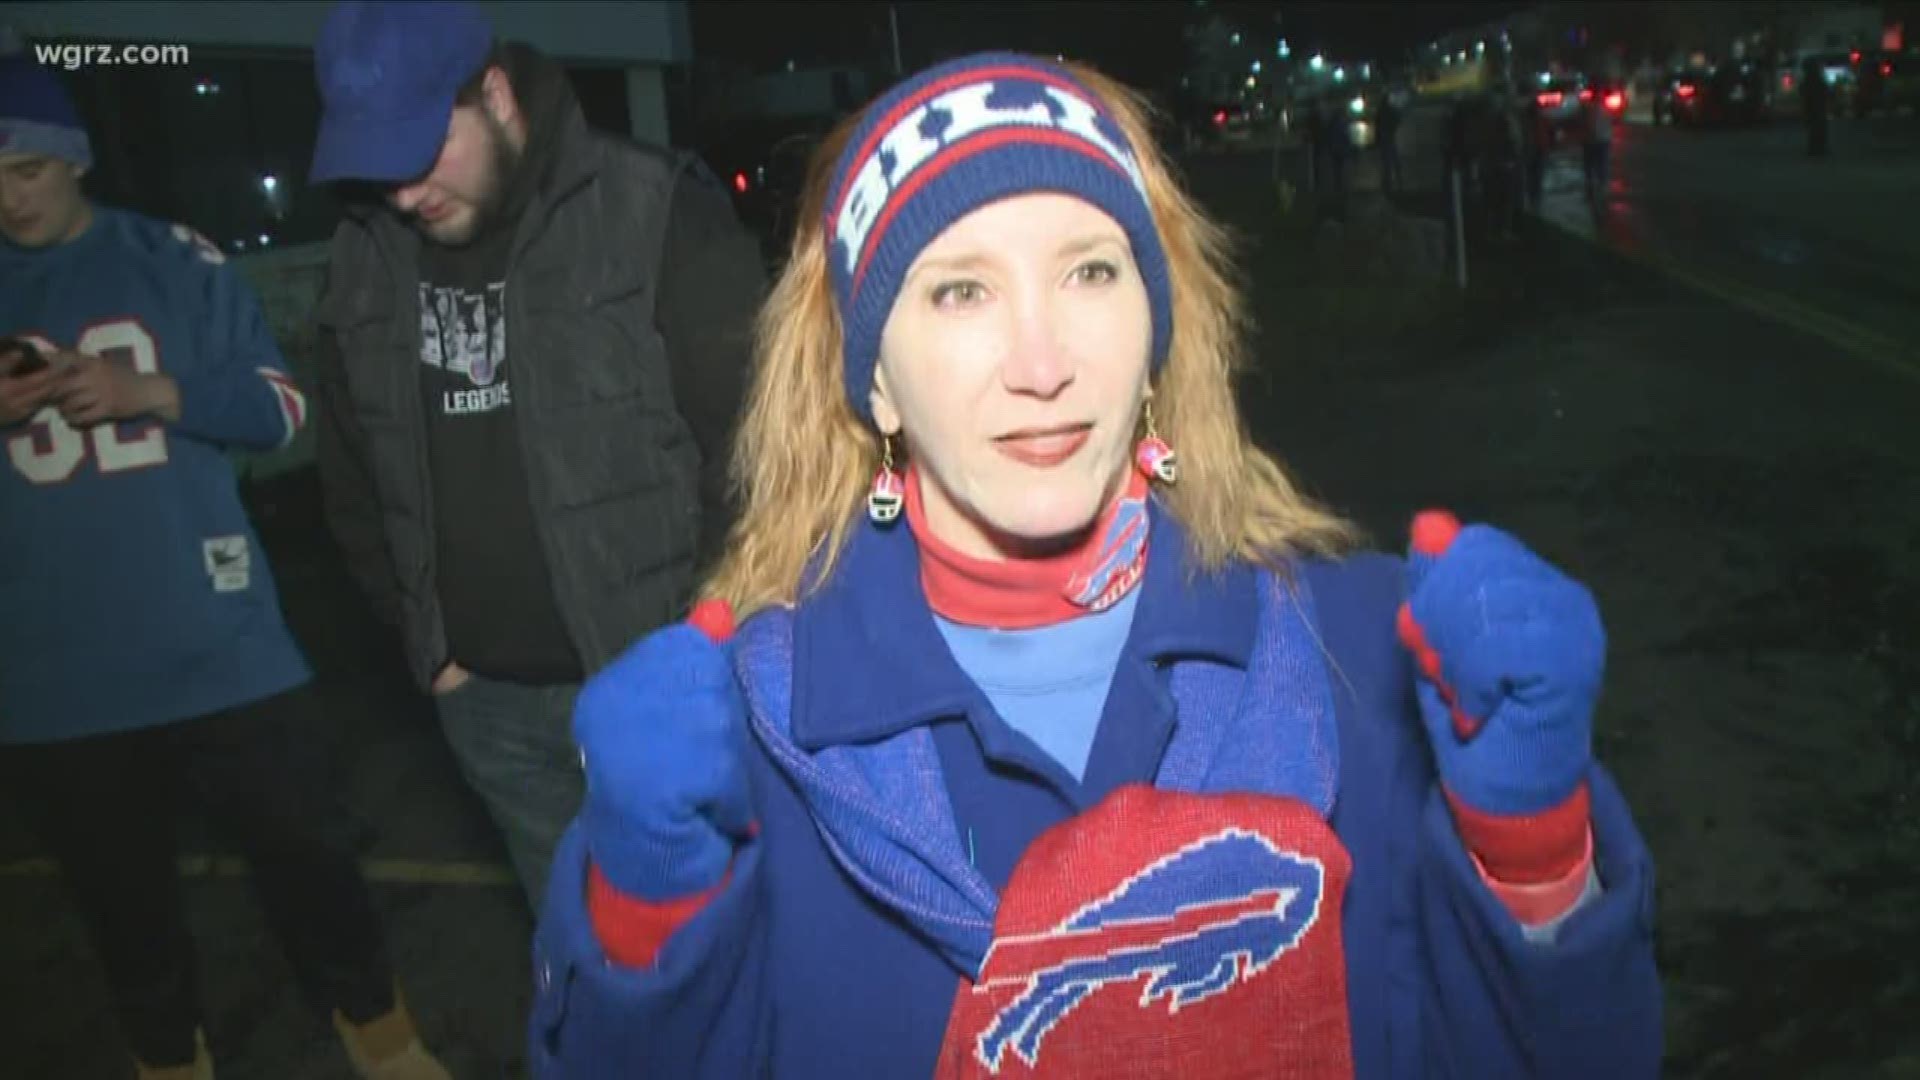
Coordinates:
662	733
1511	653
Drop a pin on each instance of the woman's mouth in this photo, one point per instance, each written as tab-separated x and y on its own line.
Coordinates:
1044	447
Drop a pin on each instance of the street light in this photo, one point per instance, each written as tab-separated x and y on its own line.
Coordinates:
1317	62
1285	50
1339	74
1256	67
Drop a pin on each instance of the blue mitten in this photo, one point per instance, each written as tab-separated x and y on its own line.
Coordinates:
1512	653
662	733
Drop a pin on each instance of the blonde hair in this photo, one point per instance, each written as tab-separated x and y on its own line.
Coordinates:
803	458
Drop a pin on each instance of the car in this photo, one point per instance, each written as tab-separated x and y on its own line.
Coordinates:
1736	93
1611	93
1559	101
763	164
1842	79
1882	80
1901	82
1207	124
1676	97
1739	92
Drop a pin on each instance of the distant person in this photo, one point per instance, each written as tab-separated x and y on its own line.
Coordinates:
1815	102
1597	149
1387	118
534	339
1314	123
1539	144
145	654
1336	140
1505	157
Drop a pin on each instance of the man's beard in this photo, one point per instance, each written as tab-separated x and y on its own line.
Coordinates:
490	205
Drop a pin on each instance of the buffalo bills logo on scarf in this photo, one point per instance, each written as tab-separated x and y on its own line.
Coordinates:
1165	934
1198	922
1120	557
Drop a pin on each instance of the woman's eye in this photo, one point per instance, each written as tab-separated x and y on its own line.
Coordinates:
1096	273
958	293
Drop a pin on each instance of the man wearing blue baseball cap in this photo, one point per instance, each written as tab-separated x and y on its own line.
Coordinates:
534	343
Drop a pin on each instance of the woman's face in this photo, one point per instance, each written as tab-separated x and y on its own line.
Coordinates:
1014	361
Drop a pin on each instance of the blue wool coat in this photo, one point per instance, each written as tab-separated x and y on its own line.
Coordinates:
893	805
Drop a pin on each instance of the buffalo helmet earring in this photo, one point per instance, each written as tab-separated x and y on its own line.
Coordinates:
1154	458
889	489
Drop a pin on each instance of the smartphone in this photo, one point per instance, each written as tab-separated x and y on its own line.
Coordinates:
27	359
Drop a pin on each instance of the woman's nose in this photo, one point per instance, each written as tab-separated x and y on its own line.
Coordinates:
1039	362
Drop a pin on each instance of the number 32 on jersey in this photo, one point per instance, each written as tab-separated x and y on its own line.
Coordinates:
51	450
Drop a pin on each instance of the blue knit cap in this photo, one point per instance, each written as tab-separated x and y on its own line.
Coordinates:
951	140
37	116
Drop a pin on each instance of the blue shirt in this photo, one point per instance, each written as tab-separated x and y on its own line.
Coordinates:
1048	683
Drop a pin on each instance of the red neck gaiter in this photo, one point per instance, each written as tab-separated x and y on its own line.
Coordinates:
1020	594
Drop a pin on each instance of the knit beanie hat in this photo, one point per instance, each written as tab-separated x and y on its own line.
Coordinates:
37	116
951	140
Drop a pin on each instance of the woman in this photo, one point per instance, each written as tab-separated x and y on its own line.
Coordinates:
1092	765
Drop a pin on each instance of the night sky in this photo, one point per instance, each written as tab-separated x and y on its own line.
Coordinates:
1135	39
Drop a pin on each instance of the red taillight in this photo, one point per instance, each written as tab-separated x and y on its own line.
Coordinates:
1854	56
1886	69
1614	102
1220	118
1549	99
1586	95
1684	91
1786	82
740	182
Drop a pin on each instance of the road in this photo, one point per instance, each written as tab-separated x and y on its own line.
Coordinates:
1826	244
1741	493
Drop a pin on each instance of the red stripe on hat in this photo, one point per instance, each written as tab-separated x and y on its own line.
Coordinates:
949	156
931	90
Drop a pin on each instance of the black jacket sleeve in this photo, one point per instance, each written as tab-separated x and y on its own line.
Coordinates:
346	485
712	283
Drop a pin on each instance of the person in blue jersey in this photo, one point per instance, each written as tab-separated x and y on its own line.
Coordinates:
1093	748
146	654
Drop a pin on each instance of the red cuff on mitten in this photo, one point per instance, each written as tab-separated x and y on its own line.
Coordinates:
632	930
1536	864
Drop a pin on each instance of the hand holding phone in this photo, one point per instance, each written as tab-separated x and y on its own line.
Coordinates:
26	381
19	357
